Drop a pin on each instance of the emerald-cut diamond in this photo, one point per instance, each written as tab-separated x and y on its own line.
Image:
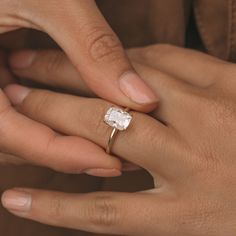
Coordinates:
118	118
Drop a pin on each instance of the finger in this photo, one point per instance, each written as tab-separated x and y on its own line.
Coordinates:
110	213
11	18
50	67
5	75
7	159
75	115
177	96
11	23
191	66
94	49
53	67
34	142
5	29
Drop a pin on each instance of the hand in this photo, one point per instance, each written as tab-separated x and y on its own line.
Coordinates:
80	29
100	54
191	154
5	75
24	141
7	78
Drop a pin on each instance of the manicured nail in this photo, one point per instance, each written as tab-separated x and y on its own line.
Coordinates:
22	59
16	200
130	167
136	89
103	172
16	93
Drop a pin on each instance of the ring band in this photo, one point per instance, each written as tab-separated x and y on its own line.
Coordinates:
119	120
111	140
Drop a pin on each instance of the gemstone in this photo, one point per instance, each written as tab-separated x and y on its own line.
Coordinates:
118	118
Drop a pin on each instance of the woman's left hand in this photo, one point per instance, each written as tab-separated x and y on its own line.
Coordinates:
190	153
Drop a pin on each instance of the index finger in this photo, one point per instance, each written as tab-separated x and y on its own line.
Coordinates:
95	50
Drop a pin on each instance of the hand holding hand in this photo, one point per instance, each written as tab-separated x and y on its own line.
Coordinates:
190	153
81	30
24	141
83	33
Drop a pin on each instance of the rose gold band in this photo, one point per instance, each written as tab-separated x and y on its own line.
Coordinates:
111	140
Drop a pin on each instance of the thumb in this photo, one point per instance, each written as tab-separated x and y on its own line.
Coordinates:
83	33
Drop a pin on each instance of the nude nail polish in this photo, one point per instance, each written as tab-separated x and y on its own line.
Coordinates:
16	200
136	89
103	172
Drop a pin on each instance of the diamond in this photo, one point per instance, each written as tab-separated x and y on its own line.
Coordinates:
118	118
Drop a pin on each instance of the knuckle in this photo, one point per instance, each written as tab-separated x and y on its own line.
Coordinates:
103	45
192	97
148	132
224	70
202	108
103	211
197	105
215	115
54	61
197	218
56	209
218	110
223	111
34	105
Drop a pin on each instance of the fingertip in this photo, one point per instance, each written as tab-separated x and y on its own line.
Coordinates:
100	172
16	93
133	86
21	59
16	200
127	166
141	97
146	108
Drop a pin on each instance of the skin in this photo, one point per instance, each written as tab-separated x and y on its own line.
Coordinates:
187	144
73	24
45	144
78	24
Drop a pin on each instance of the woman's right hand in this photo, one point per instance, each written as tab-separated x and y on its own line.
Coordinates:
80	29
40	145
82	32
23	140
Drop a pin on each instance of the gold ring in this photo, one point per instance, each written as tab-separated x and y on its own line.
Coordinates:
119	120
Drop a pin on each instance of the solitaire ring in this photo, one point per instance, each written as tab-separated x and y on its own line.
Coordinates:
119	120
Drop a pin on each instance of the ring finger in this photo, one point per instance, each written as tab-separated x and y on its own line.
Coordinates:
72	115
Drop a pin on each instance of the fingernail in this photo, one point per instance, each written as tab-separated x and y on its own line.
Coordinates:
136	89
16	93
16	200
130	167
103	172
22	59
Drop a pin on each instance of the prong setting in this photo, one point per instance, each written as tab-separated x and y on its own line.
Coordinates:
117	118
